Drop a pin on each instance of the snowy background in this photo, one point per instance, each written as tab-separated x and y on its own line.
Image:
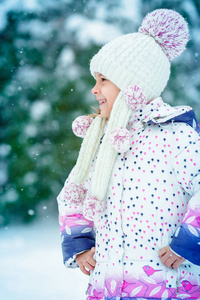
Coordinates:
31	264
46	46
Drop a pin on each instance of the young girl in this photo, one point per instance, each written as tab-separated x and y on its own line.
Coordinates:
130	208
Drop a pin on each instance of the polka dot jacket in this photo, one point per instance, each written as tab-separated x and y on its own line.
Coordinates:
153	200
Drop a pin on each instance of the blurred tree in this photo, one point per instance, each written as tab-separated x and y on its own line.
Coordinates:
45	83
38	103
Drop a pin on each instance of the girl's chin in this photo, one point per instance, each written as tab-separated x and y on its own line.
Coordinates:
105	114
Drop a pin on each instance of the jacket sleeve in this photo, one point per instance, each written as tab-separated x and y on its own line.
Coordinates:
186	240
77	233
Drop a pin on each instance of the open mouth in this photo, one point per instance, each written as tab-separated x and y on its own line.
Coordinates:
101	101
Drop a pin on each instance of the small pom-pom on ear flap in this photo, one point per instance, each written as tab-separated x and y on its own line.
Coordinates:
80	125
92	208
135	97
120	139
74	193
169	29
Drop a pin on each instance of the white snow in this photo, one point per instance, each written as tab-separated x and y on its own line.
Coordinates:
30	130
31	264
66	57
30	178
37	28
95	31
7	5
66	67
130	10
39	109
9	196
30	76
5	150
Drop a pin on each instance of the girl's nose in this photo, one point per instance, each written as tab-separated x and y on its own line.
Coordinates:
96	90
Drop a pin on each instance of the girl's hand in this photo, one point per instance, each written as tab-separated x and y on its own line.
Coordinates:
85	261
169	258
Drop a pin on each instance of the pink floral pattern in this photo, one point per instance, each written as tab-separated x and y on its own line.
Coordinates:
81	125
92	208
169	29
135	97
74	221
144	286
74	193
120	139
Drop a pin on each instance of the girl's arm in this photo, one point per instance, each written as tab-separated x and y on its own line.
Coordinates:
77	233
186	240
77	236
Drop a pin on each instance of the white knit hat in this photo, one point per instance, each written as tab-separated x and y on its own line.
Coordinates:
139	65
133	58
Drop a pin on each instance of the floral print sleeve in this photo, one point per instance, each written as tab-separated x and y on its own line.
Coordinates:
77	233
186	240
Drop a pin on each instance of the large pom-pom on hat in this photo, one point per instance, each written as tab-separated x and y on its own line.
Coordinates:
92	208
120	139
74	193
80	125
169	29
135	97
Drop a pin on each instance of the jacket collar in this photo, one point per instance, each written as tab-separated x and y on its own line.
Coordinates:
158	112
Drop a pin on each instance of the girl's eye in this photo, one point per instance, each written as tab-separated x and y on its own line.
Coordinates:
103	79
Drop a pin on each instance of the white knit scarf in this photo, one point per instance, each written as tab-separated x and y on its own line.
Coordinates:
106	156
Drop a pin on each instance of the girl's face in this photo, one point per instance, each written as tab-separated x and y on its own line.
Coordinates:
106	92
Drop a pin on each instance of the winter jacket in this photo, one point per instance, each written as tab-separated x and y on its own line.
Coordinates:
153	200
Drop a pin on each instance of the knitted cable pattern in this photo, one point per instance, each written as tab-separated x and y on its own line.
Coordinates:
107	155
87	151
133	59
